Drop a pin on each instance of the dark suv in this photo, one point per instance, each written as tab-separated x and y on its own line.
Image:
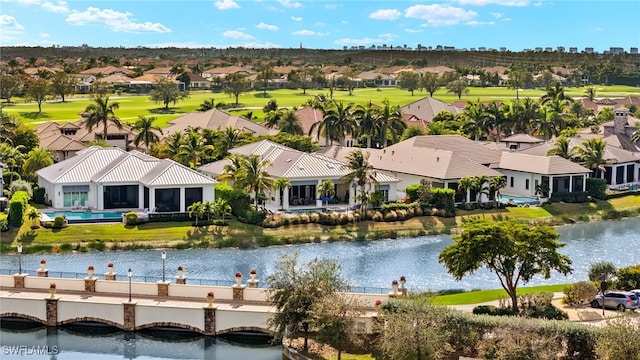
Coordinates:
619	300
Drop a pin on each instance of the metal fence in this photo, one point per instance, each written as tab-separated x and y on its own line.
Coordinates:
154	279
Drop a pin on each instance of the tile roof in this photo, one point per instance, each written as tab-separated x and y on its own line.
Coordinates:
545	165
215	119
522	138
428	107
59	142
460	145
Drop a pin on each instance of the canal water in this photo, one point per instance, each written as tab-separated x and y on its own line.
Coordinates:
370	264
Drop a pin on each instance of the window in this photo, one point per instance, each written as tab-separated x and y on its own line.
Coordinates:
511	181
526	184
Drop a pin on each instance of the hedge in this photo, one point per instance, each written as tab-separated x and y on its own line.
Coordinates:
17	207
629	277
238	200
572	197
4	222
597	188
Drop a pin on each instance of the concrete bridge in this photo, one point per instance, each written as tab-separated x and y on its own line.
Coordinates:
236	308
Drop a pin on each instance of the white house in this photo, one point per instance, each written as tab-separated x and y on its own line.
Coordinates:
111	178
525	172
305	172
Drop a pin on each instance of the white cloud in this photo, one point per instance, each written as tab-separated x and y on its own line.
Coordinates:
196	45
59	7
44	35
412	30
226	5
320	23
332	6
235	34
267	26
495	2
10	23
385	14
382	38
29	2
296	18
440	15
497	15
288	3
477	23
309	33
115	20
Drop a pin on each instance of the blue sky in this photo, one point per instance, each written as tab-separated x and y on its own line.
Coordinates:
322	24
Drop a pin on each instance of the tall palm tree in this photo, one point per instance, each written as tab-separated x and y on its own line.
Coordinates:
361	173
339	121
480	186
147	132
290	123
193	149
254	176
465	184
229	139
8	124
282	184
13	157
37	159
563	148
101	112
231	171
173	142
554	92
366	118
497	183
592	156
497	118
390	122
474	119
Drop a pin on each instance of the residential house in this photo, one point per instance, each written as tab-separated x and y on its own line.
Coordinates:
111	178
49	134
305	172
215	119
524	172
378	79
621	168
520	141
616	132
426	108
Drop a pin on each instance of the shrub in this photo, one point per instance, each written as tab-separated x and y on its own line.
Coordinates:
443	199
573	197
391	216
58	222
238	200
596	187
20	185
580	292
17	207
377	216
549	312
131	218
629	277
621	340
38	195
412	192
4	222
492	310
602	271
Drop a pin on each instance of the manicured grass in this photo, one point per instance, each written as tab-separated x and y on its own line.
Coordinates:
133	106
482	296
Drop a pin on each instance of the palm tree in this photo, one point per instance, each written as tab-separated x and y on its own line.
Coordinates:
254	176
207	105
221	208
592	156
37	159
361	173
271	118
173	142
563	148
497	183
33	214
290	123
193	149
8	124
207	208
496	117
465	184
366	118
229	139
553	93
635	136
231	171
339	121
590	92
196	210
102	113
390	122
475	117
282	184
326	190
13	157
146	131
480	186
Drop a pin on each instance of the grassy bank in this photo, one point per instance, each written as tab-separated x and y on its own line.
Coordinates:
183	235
482	296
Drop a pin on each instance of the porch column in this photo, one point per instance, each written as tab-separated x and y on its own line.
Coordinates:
624	174
152	200
584	182
140	196
570	183
285	202
550	186
182	198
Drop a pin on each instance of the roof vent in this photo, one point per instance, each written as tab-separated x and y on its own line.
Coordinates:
331	166
438	159
300	167
288	160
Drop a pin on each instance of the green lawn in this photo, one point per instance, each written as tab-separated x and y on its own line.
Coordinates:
133	106
481	296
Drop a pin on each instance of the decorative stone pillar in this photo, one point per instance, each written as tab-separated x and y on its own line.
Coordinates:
18	281
90	284
181	280
210	320
253	283
129	309
43	272
238	292
163	289
52	311
111	276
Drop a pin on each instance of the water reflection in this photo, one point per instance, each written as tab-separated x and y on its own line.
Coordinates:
21	340
366	263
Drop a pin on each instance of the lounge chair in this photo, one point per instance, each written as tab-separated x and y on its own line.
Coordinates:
76	205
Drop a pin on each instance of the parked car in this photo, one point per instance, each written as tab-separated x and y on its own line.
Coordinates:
619	300
636	291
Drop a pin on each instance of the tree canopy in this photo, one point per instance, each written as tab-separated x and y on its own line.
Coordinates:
515	252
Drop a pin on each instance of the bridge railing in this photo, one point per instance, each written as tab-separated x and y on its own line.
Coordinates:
155	279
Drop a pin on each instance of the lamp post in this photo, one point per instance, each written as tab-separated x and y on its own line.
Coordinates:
130	274
164	257
19	258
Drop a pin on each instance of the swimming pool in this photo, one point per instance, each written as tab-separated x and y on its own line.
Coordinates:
519	200
86	216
